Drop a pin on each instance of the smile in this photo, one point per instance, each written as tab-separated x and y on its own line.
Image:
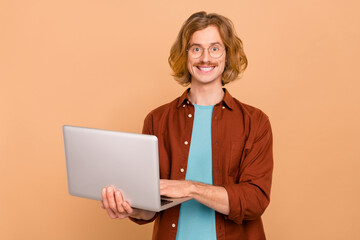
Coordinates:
205	69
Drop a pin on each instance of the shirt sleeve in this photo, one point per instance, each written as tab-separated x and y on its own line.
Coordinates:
147	129
249	197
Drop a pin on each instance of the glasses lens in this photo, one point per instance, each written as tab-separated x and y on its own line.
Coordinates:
195	51
216	51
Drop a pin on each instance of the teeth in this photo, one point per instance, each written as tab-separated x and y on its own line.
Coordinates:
206	69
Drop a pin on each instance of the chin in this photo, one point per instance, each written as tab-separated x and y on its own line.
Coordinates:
207	81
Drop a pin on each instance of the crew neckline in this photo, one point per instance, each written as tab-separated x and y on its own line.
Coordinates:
204	106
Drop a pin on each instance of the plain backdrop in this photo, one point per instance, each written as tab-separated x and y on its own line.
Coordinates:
103	64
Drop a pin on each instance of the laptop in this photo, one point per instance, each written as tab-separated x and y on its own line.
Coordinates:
98	158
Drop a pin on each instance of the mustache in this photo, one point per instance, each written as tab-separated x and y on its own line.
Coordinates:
205	63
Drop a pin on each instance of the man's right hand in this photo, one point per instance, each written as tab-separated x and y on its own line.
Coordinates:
116	207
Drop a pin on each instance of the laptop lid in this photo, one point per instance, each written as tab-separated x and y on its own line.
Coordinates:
97	158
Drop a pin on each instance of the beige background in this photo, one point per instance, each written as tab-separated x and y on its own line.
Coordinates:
104	64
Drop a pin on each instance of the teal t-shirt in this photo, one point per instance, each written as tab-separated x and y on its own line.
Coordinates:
197	221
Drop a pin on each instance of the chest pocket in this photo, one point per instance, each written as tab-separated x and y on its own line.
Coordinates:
236	156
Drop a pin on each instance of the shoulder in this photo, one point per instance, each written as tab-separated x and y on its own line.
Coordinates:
256	122
155	117
163	109
249	112
245	111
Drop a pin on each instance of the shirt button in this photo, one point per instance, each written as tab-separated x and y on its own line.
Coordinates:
184	105
223	107
186	142
173	225
189	115
182	170
187	102
215	117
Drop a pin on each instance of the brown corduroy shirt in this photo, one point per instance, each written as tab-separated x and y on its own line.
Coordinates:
242	162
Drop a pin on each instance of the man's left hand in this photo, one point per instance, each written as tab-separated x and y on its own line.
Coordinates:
175	188
214	197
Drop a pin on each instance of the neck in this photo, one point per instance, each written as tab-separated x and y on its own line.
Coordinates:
206	95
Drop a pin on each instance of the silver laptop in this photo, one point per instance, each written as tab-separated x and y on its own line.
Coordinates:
130	162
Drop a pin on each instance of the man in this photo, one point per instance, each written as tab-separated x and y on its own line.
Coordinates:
212	147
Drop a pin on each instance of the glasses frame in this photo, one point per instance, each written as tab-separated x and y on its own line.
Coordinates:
208	49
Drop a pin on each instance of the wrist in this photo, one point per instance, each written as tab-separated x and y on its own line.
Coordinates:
193	189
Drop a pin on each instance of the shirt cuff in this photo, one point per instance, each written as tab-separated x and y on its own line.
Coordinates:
236	203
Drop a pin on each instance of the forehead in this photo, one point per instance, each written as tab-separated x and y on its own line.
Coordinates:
206	36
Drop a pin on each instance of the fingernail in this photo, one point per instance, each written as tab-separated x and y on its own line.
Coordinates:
117	193
109	189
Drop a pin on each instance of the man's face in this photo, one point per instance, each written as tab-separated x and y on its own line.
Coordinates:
206	69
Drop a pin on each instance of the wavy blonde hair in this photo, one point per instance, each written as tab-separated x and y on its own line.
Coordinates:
236	61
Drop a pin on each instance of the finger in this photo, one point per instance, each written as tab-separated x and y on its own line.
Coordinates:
128	208
111	199
105	204
163	189
163	182
122	216
119	200
104	197
111	214
162	192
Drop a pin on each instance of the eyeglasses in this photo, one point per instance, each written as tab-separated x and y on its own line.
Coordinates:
215	51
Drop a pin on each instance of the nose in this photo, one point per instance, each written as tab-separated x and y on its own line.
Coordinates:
205	57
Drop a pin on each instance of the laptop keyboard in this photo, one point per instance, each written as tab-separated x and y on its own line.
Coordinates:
164	202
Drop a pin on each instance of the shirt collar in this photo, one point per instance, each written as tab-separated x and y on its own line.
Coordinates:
228	100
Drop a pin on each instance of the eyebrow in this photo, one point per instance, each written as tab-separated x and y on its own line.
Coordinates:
198	44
